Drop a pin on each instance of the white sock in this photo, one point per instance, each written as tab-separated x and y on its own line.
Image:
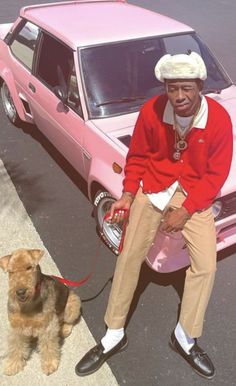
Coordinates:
112	338
184	340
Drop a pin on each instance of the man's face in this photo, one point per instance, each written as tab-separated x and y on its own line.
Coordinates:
184	96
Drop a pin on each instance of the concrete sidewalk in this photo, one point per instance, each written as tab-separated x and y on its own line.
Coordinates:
17	231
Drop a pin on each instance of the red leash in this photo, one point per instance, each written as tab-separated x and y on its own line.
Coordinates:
72	283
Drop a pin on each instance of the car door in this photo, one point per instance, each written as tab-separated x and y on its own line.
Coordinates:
41	65
22	45
61	120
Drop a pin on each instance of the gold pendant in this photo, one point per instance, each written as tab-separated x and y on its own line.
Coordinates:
176	155
181	145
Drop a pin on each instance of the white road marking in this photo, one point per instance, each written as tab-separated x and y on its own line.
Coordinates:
17	231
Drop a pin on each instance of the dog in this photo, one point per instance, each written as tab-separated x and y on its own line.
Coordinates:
39	306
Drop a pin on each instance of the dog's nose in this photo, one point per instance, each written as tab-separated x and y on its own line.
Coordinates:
21	292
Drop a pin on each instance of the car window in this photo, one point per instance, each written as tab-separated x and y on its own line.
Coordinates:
178	43
56	68
24	42
73	91
216	77
119	77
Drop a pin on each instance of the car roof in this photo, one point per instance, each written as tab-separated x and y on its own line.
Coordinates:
89	22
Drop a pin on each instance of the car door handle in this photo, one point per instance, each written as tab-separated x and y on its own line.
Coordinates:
32	88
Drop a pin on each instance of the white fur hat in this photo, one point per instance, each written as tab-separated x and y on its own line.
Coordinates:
181	66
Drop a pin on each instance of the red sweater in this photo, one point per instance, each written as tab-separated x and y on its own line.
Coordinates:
203	167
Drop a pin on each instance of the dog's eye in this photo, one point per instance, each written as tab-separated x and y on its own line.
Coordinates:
29	268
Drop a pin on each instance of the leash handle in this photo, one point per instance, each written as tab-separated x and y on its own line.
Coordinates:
122	236
126	215
116	212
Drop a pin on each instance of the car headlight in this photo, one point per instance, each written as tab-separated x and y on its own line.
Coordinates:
217	208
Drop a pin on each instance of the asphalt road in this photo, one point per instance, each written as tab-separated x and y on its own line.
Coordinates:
55	199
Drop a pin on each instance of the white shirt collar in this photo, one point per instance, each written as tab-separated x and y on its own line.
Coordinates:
200	120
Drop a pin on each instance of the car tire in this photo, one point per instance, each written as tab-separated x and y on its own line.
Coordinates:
9	106
110	233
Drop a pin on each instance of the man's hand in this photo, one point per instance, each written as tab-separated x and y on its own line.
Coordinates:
174	220
121	205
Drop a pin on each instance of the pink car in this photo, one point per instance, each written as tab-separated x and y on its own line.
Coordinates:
80	71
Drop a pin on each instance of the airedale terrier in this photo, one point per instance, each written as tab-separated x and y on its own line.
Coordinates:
39	306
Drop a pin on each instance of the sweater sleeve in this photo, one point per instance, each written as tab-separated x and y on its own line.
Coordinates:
138	154
218	166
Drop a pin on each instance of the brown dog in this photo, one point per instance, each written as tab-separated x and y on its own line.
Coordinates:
40	307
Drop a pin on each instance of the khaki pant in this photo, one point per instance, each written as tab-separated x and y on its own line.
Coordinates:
199	233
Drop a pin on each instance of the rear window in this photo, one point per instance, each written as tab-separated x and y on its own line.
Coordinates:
23	44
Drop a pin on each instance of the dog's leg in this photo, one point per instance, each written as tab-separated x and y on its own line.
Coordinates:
18	353
66	330
71	313
49	347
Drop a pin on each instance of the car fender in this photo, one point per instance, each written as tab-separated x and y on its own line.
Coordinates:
7	77
102	173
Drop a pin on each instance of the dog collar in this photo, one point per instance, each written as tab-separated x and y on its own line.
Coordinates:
38	286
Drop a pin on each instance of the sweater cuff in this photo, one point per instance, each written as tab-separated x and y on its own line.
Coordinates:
189	206
130	188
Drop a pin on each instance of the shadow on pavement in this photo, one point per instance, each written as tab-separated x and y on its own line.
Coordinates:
147	276
174	279
74	176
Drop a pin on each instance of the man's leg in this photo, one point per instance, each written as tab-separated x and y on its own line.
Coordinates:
199	233
142	228
200	237
144	220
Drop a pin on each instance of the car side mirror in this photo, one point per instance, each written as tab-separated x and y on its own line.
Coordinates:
60	93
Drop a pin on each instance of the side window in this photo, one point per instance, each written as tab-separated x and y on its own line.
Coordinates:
73	91
23	44
56	68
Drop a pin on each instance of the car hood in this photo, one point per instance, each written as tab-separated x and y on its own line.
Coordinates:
227	99
119	129
114	125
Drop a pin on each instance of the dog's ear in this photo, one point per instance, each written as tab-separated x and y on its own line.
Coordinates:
36	254
4	261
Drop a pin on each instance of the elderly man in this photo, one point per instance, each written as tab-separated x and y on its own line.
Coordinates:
179	158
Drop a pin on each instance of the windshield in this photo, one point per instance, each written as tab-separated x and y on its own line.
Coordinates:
119	77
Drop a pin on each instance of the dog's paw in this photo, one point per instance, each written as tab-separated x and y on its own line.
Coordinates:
50	366
13	367
66	330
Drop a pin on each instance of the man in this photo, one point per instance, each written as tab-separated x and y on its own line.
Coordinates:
179	158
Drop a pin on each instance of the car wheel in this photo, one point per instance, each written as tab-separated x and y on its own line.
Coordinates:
110	233
9	105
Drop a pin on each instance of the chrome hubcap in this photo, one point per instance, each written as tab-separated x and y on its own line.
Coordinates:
110	232
8	102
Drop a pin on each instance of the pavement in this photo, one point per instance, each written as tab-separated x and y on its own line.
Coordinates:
17	231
